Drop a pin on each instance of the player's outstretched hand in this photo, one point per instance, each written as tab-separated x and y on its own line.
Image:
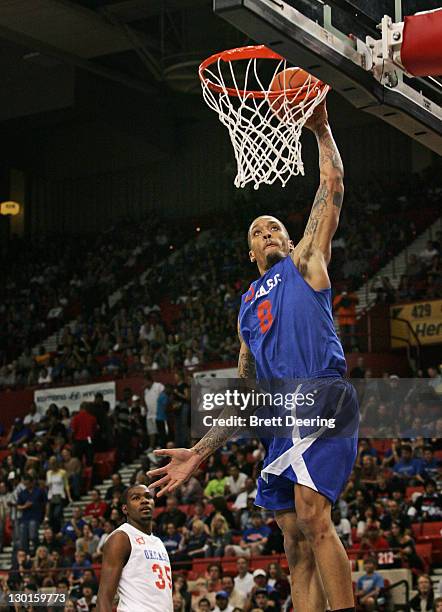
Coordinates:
183	463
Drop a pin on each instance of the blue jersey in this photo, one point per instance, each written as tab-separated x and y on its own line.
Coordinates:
288	327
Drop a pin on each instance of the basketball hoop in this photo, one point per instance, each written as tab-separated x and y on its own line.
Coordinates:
264	121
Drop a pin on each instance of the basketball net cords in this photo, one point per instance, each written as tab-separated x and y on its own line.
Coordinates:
267	146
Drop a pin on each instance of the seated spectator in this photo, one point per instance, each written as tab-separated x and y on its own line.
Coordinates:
424	599
203	605
400	542
180	586
222	602
240	459
430	465
45	376
74	527
171	540
407	467
207	585
367	474
81	562
373	540
115	504
88	598
393	513
117	487
369	520
199	514
33	417
216	486
262	587
236	598
249	493
42	562
21	564
88	542
109	527
97	507
368	586
343	527
236	482
428	506
262	602
192	491
96	525
253	539
194	543
172	514
49	540
220	535
19	433
278	580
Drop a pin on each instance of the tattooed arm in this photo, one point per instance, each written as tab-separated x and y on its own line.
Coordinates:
313	253
184	462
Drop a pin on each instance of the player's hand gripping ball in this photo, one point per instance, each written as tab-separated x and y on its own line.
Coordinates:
296	87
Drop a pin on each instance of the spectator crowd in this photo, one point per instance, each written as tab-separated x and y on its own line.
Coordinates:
212	516
183	312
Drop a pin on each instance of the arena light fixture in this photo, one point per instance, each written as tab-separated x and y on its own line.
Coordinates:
10	208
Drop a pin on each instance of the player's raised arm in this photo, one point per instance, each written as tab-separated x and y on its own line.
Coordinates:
116	552
184	462
324	216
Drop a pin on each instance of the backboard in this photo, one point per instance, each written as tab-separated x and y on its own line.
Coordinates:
334	41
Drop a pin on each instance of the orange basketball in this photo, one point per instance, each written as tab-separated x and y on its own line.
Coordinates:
298	86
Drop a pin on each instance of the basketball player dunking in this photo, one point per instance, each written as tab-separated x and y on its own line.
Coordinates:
135	562
286	332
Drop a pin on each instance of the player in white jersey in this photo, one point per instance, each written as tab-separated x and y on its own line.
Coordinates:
135	562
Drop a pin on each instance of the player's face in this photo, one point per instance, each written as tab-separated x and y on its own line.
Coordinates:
140	504
269	242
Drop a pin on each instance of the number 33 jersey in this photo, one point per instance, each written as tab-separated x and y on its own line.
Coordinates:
146	579
288	327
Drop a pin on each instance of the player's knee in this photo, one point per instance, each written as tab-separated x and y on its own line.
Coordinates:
298	552
314	525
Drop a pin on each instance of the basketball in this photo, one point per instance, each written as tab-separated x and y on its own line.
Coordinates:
302	85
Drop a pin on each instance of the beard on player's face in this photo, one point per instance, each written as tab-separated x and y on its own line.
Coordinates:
273	258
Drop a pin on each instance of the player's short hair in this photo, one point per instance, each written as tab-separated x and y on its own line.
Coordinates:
125	493
127	490
249	237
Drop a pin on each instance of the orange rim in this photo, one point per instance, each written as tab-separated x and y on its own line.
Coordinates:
247	53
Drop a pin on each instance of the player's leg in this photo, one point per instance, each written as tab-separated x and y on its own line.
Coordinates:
306	586
313	512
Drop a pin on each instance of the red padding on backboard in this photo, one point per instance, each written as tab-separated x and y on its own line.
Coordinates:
421	50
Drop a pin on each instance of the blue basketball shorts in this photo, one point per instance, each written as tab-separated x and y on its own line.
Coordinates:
309	453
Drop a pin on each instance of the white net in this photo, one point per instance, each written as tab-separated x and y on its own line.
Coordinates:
264	126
